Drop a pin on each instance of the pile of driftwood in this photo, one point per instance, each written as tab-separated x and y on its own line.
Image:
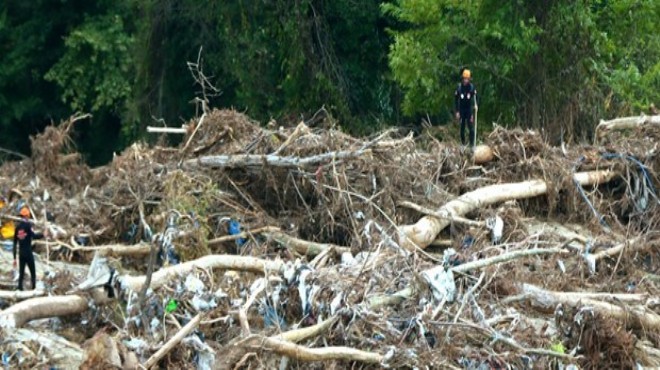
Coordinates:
253	247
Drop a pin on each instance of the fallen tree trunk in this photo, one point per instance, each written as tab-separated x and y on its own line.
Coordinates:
636	316
624	123
426	230
10	295
257	160
218	261
42	308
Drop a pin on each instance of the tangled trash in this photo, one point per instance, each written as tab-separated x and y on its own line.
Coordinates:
248	247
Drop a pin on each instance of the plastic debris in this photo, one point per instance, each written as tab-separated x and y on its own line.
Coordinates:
155	323
171	306
193	284
560	263
220	294
336	303
234	228
205	355
496	227
441	282
468	241
200	304
136	344
347	259
272	318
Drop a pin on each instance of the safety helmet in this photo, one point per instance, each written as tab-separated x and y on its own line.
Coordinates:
466	73
24	212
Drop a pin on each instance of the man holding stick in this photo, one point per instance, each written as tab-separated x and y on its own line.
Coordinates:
465	98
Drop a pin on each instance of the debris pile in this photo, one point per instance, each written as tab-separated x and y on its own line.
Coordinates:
250	246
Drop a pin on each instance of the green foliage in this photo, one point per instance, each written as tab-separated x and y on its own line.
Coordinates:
95	71
557	65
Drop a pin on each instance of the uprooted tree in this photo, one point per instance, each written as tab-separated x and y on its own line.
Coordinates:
248	246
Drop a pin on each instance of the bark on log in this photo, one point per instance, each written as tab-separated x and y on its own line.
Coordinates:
627	123
426	230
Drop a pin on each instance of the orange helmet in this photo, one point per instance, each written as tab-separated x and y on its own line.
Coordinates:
24	212
466	73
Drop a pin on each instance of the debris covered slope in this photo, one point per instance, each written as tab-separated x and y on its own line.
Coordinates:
305	247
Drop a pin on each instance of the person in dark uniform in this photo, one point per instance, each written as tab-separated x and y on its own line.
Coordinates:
23	236
465	98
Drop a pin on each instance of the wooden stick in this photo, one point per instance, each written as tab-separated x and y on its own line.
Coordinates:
176	339
244	234
302	353
430	212
303	246
506	257
242	313
634	244
298	335
167	130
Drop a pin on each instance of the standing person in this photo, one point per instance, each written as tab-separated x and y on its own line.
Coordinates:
23	238
464	98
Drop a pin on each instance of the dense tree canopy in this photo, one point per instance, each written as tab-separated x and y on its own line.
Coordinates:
558	65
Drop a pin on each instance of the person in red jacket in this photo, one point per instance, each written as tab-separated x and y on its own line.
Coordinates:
23	236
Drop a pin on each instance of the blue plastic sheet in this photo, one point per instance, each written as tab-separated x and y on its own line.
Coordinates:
234	229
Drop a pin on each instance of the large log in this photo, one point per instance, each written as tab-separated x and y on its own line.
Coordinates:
625	123
636	316
257	160
42	308
213	262
426	230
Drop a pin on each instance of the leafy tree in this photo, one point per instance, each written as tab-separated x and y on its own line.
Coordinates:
548	65
95	71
